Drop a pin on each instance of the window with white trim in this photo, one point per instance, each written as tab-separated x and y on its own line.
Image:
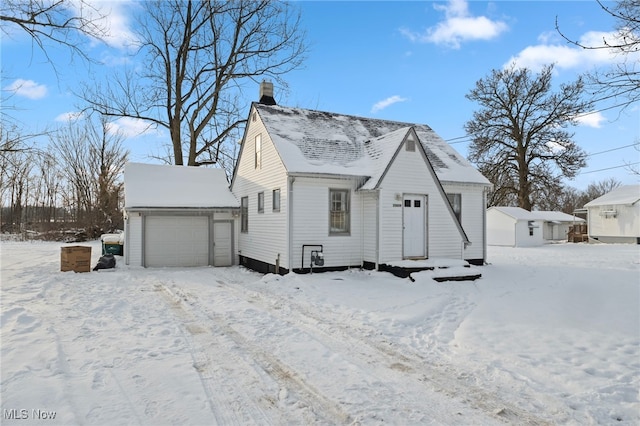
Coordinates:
244	214
276	200
456	204
258	151
260	202
339	211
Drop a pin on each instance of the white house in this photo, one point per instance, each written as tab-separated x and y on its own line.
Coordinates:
178	216
360	191
615	217
514	227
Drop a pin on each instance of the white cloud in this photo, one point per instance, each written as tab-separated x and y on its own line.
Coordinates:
567	56
594	119
459	26
69	116
379	106
555	147
27	88
112	18
130	127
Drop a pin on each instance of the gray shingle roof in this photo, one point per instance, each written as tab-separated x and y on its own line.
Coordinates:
311	141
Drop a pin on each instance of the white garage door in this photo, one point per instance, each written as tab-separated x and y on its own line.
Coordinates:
176	241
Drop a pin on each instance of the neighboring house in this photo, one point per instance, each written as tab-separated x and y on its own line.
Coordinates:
178	216
556	225
615	217
364	192
514	227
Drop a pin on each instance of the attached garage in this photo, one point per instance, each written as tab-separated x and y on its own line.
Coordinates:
178	216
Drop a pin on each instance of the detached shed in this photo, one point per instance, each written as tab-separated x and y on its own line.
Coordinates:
178	216
555	225
615	217
514	227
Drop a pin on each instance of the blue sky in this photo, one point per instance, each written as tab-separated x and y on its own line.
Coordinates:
410	61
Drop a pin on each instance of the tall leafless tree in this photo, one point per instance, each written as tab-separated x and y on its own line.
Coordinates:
519	136
196	58
92	160
623	77
61	22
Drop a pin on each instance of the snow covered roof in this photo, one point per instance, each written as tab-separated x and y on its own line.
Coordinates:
311	141
154	185
627	194
517	213
553	216
540	215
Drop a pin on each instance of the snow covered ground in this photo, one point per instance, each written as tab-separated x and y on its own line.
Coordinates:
548	335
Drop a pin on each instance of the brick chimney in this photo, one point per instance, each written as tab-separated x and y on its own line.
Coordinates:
266	93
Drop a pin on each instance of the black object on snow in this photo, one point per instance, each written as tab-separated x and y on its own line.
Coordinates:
106	262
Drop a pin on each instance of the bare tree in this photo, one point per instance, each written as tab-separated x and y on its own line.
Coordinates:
519	136
632	166
598	189
57	21
92	160
623	78
198	55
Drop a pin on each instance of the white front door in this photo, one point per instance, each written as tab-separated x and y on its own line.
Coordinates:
414	217
222	249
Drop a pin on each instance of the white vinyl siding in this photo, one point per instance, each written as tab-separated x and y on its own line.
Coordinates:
369	226
505	230
311	222
268	233
622	227
409	174
501	229
473	211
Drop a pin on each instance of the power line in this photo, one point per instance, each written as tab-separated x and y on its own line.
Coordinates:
610	168
612	149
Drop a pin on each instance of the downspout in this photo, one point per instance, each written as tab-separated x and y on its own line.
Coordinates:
290	182
484	225
377	198
361	229
126	238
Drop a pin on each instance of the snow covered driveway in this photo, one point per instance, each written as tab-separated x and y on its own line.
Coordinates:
548	335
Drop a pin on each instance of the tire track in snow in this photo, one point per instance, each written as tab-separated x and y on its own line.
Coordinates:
196	318
376	388
221	397
441	377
